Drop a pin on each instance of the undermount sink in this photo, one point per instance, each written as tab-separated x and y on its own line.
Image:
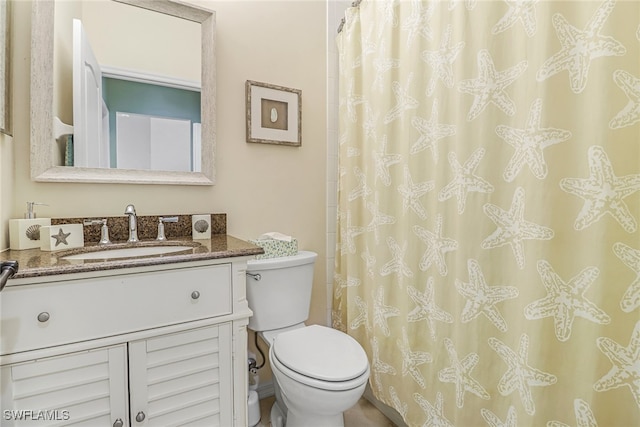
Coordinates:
139	251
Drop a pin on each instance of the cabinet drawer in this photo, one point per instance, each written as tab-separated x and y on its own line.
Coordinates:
44	315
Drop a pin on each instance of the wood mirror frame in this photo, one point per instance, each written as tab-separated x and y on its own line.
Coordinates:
41	103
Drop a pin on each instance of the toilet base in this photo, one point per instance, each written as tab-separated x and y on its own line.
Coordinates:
294	420
278	418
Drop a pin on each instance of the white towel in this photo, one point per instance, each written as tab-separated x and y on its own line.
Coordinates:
276	236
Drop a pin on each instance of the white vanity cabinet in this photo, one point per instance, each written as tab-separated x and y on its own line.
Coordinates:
144	346
89	387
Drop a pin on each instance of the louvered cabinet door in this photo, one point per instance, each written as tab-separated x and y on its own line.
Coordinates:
86	388
182	379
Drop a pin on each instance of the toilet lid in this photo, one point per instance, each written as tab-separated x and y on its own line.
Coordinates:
322	353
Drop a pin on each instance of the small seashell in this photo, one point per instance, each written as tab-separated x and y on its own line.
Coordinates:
201	226
33	232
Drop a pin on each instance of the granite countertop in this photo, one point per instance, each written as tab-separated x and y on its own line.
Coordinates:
35	262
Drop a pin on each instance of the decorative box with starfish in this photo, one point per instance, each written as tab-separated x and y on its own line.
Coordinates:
63	236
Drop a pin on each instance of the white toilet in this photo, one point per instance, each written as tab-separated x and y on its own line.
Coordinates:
319	372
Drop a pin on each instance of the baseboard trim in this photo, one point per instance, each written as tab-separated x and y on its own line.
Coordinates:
265	389
388	411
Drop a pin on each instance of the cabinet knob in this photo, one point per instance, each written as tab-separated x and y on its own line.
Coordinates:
43	317
140	417
118	423
195	295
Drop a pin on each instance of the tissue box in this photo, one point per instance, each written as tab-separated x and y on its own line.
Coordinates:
274	248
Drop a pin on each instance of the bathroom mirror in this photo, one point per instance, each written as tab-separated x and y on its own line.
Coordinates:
5	67
46	161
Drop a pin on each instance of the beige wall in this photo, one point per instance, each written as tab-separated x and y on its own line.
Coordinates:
260	187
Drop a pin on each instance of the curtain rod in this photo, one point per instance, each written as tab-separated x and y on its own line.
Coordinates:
356	3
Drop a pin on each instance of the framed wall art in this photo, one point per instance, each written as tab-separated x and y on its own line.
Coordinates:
274	114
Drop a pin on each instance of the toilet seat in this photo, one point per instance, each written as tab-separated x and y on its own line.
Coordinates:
320	353
337	386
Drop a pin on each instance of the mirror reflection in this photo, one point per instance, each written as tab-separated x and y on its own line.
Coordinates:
133	76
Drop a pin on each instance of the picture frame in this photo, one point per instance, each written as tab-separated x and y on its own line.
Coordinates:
274	114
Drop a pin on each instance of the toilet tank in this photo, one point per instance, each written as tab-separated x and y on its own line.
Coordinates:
280	296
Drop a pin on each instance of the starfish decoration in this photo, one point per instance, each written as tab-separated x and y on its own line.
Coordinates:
404	101
383	161
378	219
584	416
352	101
61	237
626	364
369	260
430	132
435	414
411	194
363	315
362	190
381	312
565	300
382	64
441	61
519	10
352	151
370	122
631	258
630	114
437	246
341	284
513	228
459	373
579	48
418	22
494	421
379	367
529	143
603	192
426	308
490	85
464	180
520	376
481	298
397	404
388	12
397	264
368	47
348	233
412	359
336	319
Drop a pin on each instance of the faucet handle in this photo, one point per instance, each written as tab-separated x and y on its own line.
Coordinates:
161	220
104	233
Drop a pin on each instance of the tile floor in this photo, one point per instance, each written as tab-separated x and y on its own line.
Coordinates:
364	414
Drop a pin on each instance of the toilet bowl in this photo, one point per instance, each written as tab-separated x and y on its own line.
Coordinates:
319	372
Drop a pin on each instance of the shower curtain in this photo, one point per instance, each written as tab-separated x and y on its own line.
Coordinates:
488	246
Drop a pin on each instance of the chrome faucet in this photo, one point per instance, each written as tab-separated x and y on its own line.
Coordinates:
133	223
